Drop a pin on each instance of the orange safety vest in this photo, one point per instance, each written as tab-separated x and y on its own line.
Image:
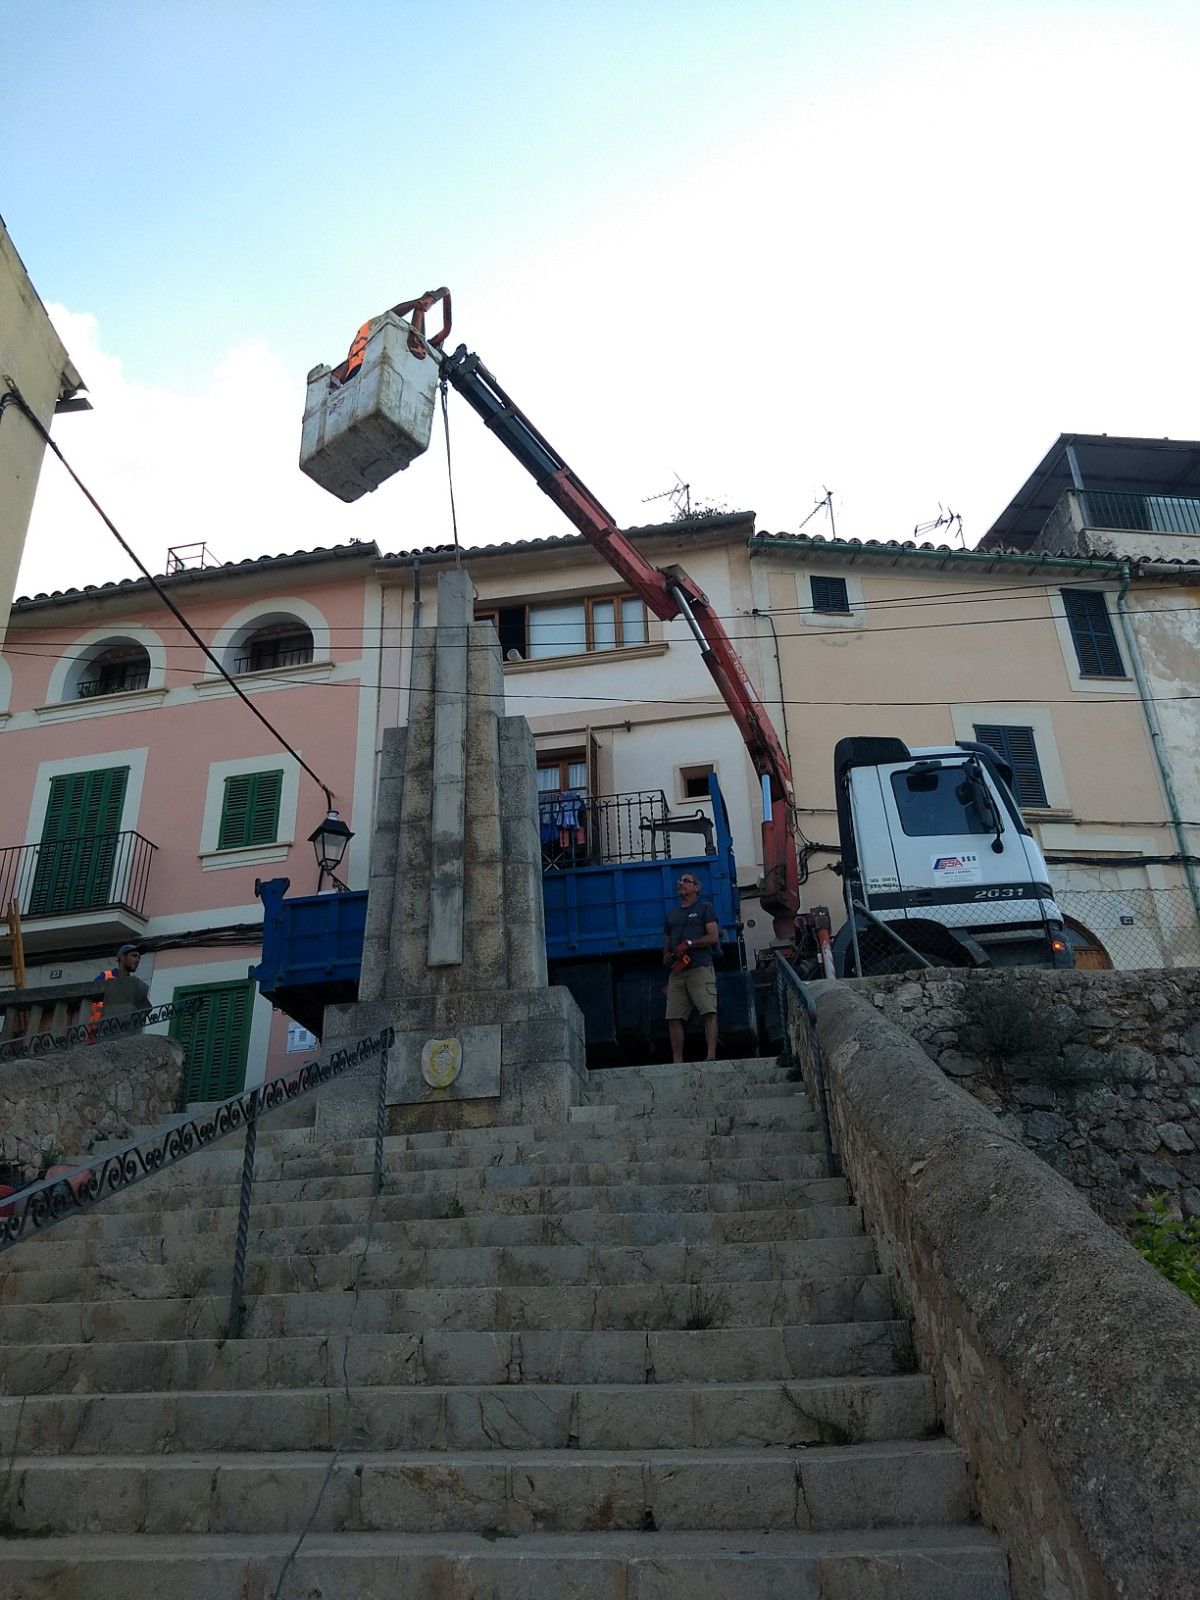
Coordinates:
96	1009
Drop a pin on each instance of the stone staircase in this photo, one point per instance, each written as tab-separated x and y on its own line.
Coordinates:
645	1355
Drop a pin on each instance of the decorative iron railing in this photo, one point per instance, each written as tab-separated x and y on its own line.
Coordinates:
25	1045
89	873
42	1205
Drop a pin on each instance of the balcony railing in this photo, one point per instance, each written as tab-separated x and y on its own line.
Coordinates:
579	830
1139	513
60	877
114	683
267	660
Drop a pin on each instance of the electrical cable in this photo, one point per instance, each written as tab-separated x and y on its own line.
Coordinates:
713	702
570	632
26	410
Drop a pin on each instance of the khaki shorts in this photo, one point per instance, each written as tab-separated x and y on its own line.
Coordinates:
694	986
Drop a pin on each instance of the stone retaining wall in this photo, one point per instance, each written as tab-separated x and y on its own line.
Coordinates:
1065	1366
68	1100
1109	1093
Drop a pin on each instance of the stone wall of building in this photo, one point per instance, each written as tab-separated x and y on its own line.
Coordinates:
65	1102
1097	1072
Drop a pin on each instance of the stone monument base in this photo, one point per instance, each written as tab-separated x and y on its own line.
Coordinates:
491	1058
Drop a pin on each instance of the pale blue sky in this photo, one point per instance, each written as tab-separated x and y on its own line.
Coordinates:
892	248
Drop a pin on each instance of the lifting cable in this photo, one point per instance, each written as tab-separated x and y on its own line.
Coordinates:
13	394
442	385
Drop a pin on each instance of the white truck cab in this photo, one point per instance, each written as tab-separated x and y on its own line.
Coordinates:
934	845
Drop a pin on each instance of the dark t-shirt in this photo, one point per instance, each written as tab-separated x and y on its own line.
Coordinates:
691	922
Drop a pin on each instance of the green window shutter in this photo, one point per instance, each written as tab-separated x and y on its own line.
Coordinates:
79	841
215	1035
250	810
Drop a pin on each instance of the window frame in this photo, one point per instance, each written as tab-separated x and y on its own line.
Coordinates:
490	612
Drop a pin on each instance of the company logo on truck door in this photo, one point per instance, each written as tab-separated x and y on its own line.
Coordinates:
961	868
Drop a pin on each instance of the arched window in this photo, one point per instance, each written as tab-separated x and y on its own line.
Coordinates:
283	642
114	667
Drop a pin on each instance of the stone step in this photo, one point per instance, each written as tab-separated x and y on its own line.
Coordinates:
180	1186
103	1237
939	1563
150	1208
648	1213
716	1355
503	1417
780	1109
836	1294
907	1483
382	1265
660	1085
583	1148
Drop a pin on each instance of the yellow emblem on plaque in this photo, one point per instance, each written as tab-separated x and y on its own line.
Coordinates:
441	1062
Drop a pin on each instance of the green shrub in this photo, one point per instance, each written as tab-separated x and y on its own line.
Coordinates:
1012	1022
1170	1244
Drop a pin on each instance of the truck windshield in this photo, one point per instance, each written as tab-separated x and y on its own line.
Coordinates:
936	800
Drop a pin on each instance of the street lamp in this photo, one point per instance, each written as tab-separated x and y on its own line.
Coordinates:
329	843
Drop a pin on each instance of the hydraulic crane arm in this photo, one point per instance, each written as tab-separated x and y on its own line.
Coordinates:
670	593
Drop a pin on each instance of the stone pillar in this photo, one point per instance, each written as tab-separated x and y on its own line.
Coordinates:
454	955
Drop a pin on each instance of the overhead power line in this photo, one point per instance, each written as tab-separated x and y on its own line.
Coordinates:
14	396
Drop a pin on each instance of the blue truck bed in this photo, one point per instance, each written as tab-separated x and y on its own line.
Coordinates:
312	944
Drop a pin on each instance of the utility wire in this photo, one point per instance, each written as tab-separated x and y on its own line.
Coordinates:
856	607
14	394
569	632
1082	699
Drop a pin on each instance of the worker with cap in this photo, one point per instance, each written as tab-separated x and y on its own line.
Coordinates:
128	957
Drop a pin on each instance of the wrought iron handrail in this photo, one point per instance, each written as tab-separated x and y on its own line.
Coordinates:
88	872
38	1044
40	1206
788	981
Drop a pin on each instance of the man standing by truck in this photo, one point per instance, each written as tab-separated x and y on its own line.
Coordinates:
690	935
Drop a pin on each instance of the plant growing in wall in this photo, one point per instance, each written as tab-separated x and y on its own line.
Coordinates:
1169	1244
1012	1023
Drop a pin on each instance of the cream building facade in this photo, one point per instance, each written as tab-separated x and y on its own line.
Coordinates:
34	363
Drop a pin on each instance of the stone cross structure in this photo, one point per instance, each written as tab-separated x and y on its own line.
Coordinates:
454	956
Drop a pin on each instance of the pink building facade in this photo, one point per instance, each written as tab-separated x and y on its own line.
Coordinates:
142	799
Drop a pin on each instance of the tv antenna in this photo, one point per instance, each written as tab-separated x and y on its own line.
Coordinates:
950	520
680	497
825	503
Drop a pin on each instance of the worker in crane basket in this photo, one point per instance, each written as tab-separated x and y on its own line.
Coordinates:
691	933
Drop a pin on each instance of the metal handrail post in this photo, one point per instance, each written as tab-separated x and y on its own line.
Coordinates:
237	1307
886	927
380	1117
